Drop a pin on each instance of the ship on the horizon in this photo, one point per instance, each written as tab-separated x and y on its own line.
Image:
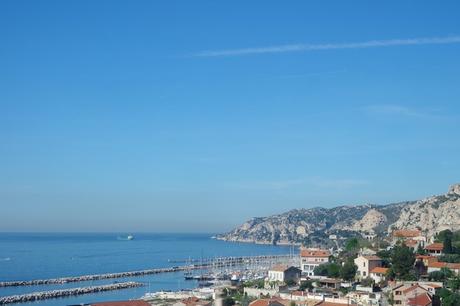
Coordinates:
126	238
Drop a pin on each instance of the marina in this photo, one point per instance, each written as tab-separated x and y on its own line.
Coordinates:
212	264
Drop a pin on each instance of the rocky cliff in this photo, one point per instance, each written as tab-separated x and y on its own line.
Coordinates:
431	215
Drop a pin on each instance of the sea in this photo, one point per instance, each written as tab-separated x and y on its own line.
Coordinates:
29	256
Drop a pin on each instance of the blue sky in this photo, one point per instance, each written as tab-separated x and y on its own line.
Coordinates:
197	115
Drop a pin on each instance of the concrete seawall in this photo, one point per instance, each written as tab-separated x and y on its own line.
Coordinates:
36	296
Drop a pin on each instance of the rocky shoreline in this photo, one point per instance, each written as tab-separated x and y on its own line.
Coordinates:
314	225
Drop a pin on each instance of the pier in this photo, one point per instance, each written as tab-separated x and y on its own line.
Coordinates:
36	296
210	263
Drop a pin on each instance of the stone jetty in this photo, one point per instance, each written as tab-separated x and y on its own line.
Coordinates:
215	262
36	296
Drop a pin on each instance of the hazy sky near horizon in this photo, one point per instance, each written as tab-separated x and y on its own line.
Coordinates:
193	116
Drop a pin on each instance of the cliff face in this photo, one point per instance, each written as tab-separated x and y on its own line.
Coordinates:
431	215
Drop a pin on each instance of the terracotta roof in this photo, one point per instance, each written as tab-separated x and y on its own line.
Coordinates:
333	304
314	253
379	270
434	285
414	287
439	264
411	243
372	257
420	300
435	247
123	303
406	233
425	257
194	301
282	268
270	302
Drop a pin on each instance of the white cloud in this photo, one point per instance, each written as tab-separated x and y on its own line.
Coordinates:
330	46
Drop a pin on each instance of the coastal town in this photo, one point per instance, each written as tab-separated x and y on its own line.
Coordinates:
404	267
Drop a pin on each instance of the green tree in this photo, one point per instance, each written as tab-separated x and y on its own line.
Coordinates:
306	285
455	258
451	300
420	250
348	270
352	244
321	270
440	276
329	269
367	282
402	260
454	283
447	245
228	301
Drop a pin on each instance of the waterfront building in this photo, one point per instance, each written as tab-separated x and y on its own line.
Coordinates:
311	258
284	274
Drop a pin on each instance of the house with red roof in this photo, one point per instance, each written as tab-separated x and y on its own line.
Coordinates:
435	249
275	301
365	265
411	294
411	237
378	274
434	266
311	258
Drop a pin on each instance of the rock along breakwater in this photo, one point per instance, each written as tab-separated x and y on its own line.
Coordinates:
35	296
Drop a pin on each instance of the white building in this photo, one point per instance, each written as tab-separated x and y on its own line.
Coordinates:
311	258
365	264
378	274
434	266
283	274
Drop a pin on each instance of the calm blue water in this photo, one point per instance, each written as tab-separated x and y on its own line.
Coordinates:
37	256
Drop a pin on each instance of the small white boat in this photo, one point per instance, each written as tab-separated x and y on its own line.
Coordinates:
127	237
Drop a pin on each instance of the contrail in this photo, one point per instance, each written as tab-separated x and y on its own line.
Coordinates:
331	46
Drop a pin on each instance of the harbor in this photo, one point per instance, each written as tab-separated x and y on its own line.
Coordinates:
209	273
214	263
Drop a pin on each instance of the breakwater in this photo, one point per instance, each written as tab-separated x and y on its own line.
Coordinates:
36	296
209	263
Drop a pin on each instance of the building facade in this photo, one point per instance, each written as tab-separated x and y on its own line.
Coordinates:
365	264
311	258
